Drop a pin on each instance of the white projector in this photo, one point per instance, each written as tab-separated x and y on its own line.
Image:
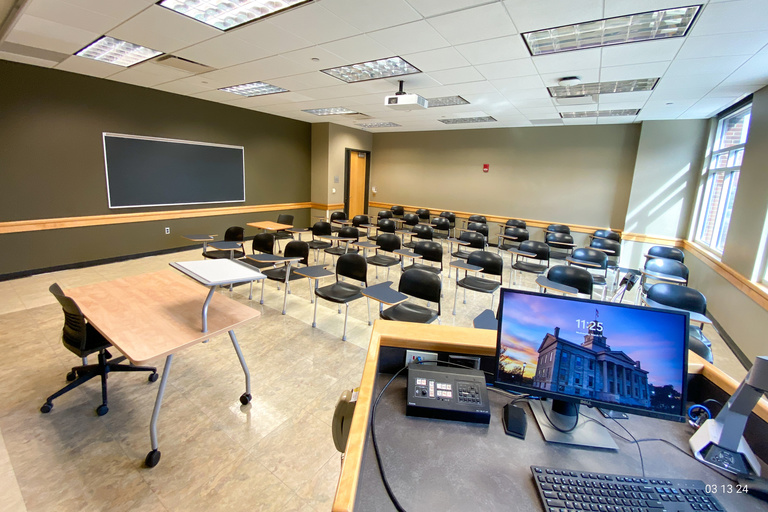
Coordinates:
405	102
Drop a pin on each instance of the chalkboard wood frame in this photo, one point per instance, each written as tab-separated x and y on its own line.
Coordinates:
150	171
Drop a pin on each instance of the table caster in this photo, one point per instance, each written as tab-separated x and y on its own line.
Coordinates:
46	408
152	377
152	459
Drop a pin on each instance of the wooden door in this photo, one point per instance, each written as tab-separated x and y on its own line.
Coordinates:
357	185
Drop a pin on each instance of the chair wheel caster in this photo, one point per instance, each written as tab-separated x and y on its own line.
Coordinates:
152	377
46	408
71	376
245	398
102	410
152	459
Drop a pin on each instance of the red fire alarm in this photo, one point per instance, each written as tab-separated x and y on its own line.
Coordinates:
486	167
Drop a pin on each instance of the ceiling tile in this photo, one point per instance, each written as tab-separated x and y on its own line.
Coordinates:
486	22
413	37
510	85
641	53
494	50
435	7
473	88
305	81
625	97
507	69
260	70
163	30
616	120
50	35
320	93
457	76
752	72
650	70
528	94
722	66
270	37
360	48
538	15
182	87
730	17
585	75
718	45
314	23
24	59
435	60
89	67
119	9
222	51
148	74
305	56
567	61
369	15
614	8
72	15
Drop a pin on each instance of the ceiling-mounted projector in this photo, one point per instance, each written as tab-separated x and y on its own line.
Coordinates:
403	101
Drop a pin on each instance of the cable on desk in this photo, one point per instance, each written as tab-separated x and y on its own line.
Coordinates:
634	440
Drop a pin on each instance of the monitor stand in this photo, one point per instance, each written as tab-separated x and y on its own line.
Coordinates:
587	434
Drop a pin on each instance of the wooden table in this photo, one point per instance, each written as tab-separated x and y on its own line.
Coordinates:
156	315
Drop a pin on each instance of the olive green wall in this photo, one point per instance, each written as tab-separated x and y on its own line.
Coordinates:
51	125
571	175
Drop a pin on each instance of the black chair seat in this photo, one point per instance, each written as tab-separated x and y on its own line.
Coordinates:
695	332
409	312
339	292
461	254
698	347
533	268
421	266
598	280
382	260
479	284
319	244
278	274
217	255
339	250
259	264
505	246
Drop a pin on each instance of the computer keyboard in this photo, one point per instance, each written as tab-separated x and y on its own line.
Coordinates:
564	490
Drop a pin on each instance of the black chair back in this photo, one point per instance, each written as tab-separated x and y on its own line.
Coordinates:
590	255
234	234
421	284
477	218
352	266
284	218
559	228
423	232
540	249
75	329
441	224
668	267
265	243
410	219
514	223
450	216
575	277
607	233
430	251
554	239
476	240
491	262
388	242
338	216
349	232
359	219
398	211
423	214
520	234
610	245
297	249
385	214
680	297
479	227
387	226
321	228
670	253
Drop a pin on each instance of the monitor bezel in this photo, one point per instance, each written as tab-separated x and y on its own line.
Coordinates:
587	402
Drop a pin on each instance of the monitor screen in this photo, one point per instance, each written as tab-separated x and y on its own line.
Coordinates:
613	356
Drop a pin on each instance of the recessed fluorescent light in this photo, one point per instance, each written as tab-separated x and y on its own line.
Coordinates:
227	14
446	101
641	84
600	113
254	89
462	120
644	26
380	124
115	51
330	111
372	70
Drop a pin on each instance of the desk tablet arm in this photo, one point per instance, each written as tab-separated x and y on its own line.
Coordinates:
525	254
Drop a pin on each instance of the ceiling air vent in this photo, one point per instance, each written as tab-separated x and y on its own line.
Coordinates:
183	64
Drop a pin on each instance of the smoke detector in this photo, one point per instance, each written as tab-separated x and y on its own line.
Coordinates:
569	81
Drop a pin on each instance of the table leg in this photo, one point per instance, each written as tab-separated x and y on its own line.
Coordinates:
205	308
245	398
153	457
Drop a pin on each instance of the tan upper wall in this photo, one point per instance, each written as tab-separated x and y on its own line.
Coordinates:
575	174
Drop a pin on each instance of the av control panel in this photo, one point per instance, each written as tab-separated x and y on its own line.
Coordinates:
447	393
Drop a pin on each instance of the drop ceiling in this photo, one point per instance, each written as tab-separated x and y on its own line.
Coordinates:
469	48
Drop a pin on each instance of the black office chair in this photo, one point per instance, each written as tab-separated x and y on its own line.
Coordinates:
80	338
529	250
442	227
451	218
479	227
337	216
559	228
662	270
560	245
294	249
575	277
474	240
688	299
491	264
512	238
385	214
420	284
345	247
478	218
359	220
233	234
352	266
423	214
384	226
515	223
319	229
398	211
388	243
595	262
263	243
282	234
420	232
662	251
612	249
607	233
410	220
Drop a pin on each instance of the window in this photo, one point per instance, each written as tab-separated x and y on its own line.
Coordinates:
723	177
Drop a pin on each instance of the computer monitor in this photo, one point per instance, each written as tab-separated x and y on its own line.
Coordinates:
578	351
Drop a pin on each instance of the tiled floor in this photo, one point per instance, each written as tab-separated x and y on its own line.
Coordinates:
274	454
